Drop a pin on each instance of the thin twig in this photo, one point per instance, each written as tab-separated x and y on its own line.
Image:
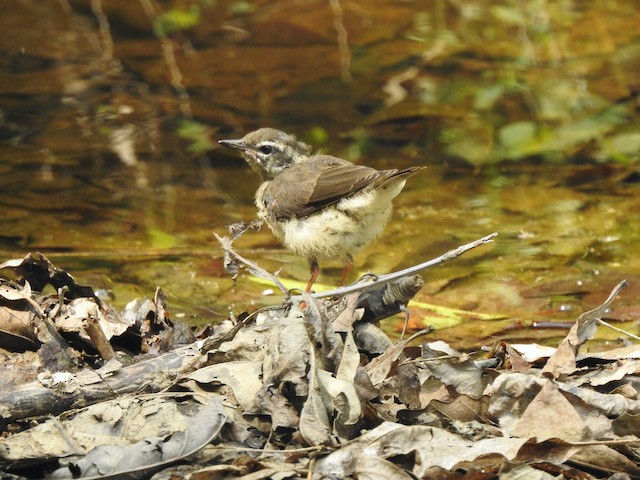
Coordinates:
71	443
253	267
359	287
266	452
312	464
619	330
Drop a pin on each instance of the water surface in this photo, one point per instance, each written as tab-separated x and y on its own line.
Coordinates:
525	113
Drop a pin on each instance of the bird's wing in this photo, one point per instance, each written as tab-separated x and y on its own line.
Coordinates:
316	183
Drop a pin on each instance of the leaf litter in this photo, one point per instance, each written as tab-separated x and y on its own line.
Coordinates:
311	388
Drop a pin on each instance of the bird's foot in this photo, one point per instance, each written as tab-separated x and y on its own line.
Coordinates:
367	277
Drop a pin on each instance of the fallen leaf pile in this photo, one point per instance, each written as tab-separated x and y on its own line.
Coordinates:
309	390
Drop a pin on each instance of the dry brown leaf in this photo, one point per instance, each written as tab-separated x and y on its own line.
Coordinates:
612	405
379	367
608	373
349	315
563	361
629	352
517	363
554	451
461	408
74	315
119	422
550	415
526	472
626	424
376	468
463	375
349	360
441	394
606	458
249	344
532	352
509	396
289	351
371	339
315	425
243	377
152	452
345	403
431	447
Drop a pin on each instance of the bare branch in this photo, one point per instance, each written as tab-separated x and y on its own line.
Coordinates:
358	287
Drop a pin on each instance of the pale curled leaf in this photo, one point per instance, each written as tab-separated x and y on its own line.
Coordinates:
36	269
24	293
349	315
314	417
151	453
563	361
349	360
74	315
628	352
607	373
509	396
432	447
272	404
463	375
526	472
315	426
379	367
289	350
533	352
608	459
243	377
376	468
336	388
610	404
19	315
123	420
286	366
321	332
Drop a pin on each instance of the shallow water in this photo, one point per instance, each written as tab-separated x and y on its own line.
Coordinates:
525	113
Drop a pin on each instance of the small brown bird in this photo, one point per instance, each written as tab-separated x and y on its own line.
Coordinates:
320	207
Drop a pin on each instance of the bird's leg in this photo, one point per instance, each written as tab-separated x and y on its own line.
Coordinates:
346	269
315	270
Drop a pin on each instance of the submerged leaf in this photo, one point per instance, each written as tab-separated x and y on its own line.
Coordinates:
198	135
176	19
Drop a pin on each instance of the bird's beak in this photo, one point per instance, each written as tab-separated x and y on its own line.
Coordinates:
235	144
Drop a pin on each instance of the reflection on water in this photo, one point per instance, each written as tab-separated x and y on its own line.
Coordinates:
525	114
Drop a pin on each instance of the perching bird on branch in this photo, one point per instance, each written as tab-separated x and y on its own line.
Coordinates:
320	207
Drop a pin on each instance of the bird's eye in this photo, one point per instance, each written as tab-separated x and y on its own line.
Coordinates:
266	149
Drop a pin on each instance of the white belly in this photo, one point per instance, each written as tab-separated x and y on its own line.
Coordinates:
337	233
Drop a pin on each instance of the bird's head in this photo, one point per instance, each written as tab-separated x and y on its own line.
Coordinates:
269	151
